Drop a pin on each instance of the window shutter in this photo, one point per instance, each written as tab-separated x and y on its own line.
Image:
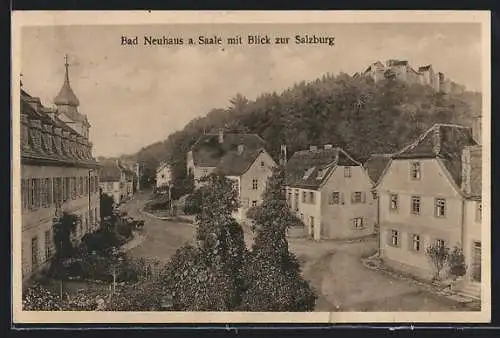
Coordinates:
363	197
342	198
352	198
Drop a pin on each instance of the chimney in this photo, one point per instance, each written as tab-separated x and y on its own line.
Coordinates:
221	135
466	170
283	156
328	146
477	128
241	147
313	148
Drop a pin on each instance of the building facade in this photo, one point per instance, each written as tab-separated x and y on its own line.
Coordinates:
209	150
331	193
116	181
163	175
426	198
58	175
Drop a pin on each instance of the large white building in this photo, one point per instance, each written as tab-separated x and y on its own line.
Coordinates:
58	174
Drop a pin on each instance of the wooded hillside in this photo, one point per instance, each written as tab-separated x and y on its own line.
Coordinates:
357	114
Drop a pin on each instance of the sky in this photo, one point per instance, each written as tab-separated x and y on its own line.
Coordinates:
137	95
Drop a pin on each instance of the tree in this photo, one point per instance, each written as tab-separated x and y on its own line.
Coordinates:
438	254
272	275
106	205
208	276
456	263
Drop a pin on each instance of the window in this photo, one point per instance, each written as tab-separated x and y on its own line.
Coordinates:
34	252
479	211
347	171
394	202
255	184
296	200
335	198
254	203
304	197
395	238
35	193
262	164
312	197
48	245
415	170
67	188
25	193
56	193
415	205
110	186
86	186
441	243
73	188
358	223
358	197
162	176
440	207
415	243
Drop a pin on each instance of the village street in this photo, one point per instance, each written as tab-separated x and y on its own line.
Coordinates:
335	270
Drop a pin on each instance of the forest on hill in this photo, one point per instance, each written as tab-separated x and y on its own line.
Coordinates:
357	114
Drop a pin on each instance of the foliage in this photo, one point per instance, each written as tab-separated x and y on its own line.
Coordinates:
141	296
62	230
339	110
101	241
182	186
39	298
438	255
208	276
456	263
272	275
193	203
106	205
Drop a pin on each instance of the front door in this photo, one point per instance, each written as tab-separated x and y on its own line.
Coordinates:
476	262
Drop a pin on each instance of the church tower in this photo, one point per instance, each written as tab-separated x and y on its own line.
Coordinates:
67	106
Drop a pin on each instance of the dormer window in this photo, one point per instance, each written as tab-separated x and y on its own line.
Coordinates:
347	171
415	171
308	173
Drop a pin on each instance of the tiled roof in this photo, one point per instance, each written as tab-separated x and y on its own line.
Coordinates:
234	163
109	172
207	151
43	148
376	165
443	141
310	168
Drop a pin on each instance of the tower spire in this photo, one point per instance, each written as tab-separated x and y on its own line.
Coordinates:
66	96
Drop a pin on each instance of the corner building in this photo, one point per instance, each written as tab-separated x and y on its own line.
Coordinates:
58	174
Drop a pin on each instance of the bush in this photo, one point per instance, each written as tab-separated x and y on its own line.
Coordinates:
438	256
456	263
193	203
38	298
101	241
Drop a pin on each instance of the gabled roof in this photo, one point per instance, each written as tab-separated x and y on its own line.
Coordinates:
376	165
234	163
311	168
110	172
443	141
208	152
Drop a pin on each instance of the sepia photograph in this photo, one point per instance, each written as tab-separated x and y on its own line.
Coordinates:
225	167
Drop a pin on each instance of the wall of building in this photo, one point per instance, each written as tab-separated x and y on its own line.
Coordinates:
433	183
37	221
337	220
163	176
260	170
305	209
472	235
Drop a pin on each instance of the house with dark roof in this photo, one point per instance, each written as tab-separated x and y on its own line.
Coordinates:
58	175
116	180
430	193
241	158
331	193
163	175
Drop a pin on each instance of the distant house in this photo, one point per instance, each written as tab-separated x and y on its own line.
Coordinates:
116	181
430	193
239	157
331	193
163	175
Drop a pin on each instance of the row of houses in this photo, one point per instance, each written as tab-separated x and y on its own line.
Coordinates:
428	192
402	70
118	180
58	174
